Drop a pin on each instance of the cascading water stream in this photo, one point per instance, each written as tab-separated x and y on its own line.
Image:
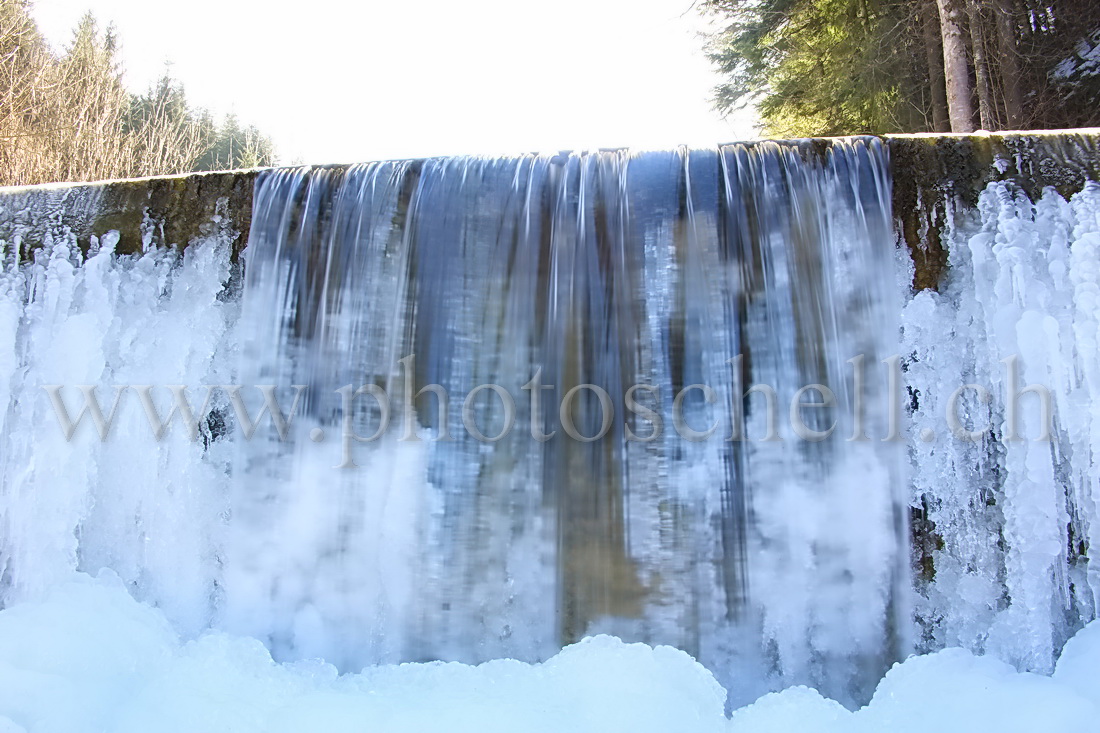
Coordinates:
434	305
643	275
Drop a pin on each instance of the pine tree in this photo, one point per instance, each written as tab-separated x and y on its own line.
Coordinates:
825	67
68	116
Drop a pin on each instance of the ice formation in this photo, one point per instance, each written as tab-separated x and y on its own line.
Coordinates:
1015	517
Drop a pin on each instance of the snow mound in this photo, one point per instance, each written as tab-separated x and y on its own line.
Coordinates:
90	658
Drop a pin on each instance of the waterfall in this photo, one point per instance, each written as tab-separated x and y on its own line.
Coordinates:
609	269
682	397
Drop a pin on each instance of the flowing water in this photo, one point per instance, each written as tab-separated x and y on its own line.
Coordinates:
537	398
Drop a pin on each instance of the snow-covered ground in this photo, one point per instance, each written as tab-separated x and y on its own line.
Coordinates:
91	658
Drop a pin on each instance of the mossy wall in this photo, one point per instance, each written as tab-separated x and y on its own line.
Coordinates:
933	176
161	211
936	175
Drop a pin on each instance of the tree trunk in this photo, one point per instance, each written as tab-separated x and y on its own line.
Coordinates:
981	66
1005	12
960	105
933	49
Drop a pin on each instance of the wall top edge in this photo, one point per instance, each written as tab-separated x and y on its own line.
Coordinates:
924	137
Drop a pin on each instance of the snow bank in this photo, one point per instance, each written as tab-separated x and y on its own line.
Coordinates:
90	658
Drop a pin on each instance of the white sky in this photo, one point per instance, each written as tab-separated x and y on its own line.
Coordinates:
357	80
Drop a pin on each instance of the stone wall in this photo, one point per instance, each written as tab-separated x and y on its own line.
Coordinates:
933	176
